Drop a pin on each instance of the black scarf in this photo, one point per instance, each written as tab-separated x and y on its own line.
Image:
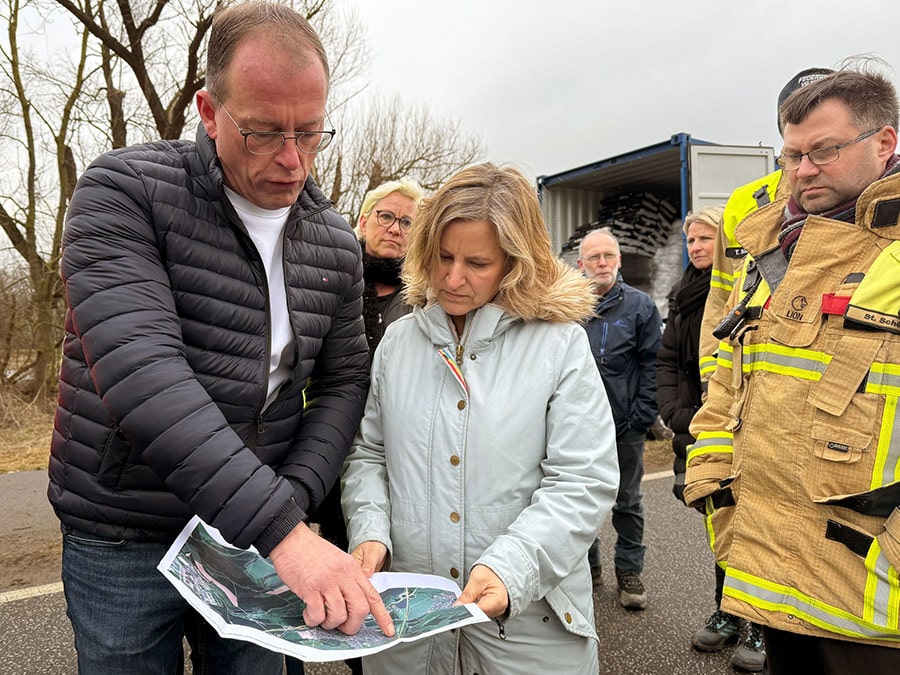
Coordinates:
381	270
377	270
795	217
691	295
686	311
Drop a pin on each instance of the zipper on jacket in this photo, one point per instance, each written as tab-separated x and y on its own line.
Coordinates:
250	246
460	339
501	628
603	335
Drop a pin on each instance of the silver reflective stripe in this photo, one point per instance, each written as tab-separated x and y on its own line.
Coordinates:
884	379
887	462
709	442
806	364
879	603
790	601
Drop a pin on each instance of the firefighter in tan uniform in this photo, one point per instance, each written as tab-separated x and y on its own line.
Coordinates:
797	458
728	258
729	254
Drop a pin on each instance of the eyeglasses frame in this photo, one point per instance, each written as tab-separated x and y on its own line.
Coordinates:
836	148
296	136
397	219
608	257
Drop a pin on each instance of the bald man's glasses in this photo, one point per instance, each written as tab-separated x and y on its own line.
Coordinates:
270	142
610	258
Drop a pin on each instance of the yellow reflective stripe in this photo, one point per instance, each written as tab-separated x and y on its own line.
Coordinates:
893	615
711	532
707	365
884	378
882	594
707	521
887	459
805	364
763	594
722	279
725	355
718	284
709	442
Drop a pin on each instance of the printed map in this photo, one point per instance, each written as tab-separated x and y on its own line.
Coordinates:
242	597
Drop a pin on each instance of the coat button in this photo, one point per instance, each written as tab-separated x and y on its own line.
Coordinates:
473	357
454	460
454	517
568	618
454	573
461	405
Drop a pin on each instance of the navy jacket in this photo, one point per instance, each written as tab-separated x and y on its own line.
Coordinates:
624	339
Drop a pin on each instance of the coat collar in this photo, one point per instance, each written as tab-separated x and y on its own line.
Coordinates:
483	325
612	296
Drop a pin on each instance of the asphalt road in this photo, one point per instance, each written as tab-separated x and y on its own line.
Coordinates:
35	636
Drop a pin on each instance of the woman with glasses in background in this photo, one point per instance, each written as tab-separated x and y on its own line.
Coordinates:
680	395
384	219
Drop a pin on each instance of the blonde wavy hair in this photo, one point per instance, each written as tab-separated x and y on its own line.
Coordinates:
708	215
537	284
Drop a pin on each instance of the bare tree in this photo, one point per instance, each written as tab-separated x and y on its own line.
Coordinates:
127	72
40	105
385	140
161	46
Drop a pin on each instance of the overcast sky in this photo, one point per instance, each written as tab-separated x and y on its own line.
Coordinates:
551	85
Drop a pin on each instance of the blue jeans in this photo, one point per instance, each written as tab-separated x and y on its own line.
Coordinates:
628	511
128	618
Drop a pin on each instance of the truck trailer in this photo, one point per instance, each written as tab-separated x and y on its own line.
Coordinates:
643	196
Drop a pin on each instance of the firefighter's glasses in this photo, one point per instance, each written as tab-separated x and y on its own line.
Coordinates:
820	156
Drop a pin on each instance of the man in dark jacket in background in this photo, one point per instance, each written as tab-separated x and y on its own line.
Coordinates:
210	285
624	339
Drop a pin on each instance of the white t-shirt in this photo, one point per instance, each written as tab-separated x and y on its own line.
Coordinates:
266	227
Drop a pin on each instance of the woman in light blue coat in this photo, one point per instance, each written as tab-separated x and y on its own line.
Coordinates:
487	449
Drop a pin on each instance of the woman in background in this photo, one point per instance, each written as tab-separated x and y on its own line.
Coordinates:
678	390
679	395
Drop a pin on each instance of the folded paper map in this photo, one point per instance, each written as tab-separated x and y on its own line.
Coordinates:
239	593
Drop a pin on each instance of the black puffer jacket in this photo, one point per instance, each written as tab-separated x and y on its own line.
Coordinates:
165	360
678	364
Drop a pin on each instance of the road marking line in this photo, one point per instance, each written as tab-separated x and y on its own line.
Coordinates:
34	591
51	589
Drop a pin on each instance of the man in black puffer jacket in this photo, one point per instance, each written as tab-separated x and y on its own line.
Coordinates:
214	361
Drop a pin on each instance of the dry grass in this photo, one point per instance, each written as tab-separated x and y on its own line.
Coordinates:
25	441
